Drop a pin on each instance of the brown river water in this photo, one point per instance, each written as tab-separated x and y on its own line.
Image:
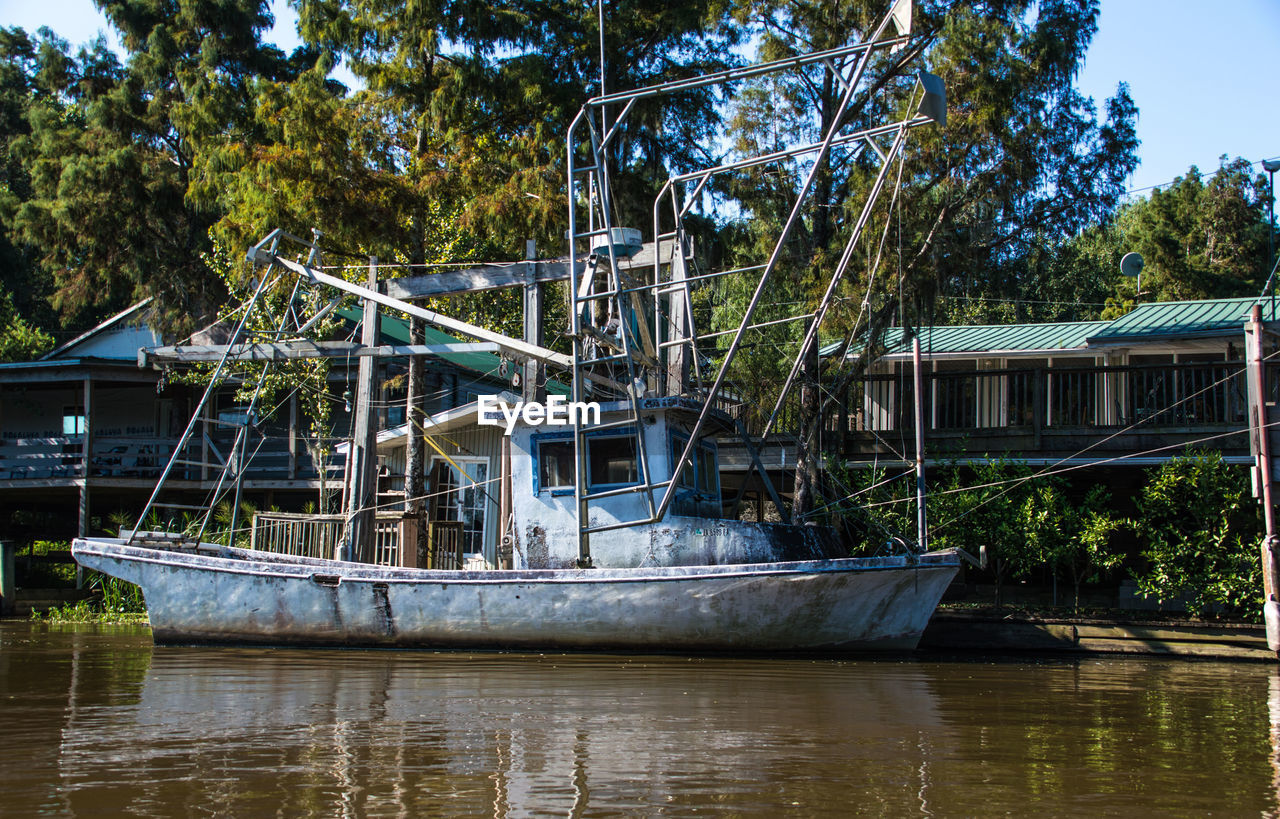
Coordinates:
98	722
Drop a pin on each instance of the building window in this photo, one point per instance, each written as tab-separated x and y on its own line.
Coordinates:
461	493
73	421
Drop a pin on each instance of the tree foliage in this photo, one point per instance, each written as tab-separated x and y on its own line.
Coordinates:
1076	542
117	172
1202	238
109	150
1024	160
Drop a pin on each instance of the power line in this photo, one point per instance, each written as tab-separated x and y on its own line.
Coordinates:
1159	185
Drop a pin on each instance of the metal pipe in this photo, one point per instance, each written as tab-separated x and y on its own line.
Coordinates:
757	70
845	259
204	399
765	159
787	320
1271	168
922	532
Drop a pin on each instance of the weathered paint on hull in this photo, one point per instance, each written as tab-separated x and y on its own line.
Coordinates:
220	595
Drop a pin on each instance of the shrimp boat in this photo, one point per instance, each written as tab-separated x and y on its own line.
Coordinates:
616	519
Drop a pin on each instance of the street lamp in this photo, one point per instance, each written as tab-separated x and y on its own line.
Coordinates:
1271	166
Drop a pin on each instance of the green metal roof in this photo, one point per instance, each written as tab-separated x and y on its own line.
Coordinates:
1178	319
396	330
1064	335
1148	322
992	338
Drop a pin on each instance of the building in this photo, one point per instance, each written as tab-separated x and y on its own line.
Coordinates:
85	432
1135	391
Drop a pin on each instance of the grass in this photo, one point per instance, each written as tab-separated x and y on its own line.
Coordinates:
114	601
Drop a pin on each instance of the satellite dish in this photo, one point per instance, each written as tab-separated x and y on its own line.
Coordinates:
1131	264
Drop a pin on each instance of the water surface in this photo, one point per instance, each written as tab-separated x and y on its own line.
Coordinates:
100	722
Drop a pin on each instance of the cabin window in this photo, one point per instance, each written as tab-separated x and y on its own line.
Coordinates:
611	461
702	475
555	465
73	421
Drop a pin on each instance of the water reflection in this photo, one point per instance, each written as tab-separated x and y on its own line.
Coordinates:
110	725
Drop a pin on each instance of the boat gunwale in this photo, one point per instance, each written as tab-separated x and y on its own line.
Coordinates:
233	560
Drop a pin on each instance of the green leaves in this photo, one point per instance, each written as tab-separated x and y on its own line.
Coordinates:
108	150
1200	534
1075	541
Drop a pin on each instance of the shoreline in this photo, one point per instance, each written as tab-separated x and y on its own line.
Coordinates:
1020	632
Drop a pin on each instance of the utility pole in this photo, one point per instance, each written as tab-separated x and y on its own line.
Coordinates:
1262	414
534	375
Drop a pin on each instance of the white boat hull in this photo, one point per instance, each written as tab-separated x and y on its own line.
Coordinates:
215	594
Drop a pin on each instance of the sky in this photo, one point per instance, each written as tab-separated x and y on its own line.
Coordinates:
1205	74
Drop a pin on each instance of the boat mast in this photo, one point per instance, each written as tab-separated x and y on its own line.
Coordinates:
604	307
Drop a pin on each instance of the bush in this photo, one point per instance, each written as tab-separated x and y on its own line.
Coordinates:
1200	533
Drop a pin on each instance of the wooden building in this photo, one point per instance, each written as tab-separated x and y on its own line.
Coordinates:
1134	391
85	431
1110	398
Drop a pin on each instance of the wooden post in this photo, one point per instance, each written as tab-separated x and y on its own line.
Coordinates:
293	436
409	542
1260	439
533	379
86	464
415	456
86	457
8	581
363	462
1038	377
204	442
506	527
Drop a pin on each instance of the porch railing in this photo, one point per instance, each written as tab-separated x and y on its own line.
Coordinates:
395	538
1160	396
134	457
319	535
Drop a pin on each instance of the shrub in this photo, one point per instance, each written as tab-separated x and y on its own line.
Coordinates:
1200	533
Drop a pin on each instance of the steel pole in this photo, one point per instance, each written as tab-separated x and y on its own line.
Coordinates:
922	535
1271	241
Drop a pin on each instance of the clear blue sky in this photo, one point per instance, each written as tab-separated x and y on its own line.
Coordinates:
1204	73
